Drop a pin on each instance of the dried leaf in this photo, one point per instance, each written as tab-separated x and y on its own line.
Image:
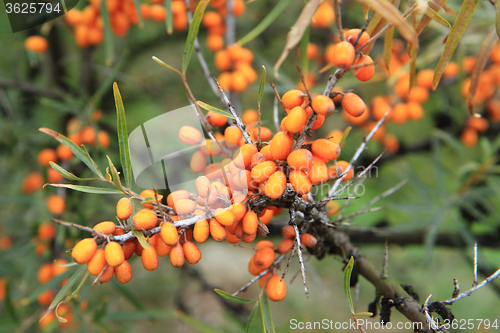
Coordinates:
425	20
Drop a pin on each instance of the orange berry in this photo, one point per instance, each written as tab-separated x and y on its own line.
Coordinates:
212	19
249	238
161	248
145	11
264	243
266	215
352	35
353	104
250	222
33	182
366	72
150	194
47	155
36	44
107	274
263	280
198	162
418	94
258	158
124	208
343	55
288	231
84	250
47	320
469	137
232	136
191	253
296	120
214	42
238	7
308	240
261	172
264	258
339	170
415	110
285	246
123	273
203	186
128	248
323	105
275	185
114	254
300	182
292	99
324	16
379	133
253	268
56	204
57	268
243	156
222	62
97	263
184	206
149	258
190	135
326	149
276	288
468	63
45	273
216	119
300	159
145	219
53	176
239	210
249	116
46	231
64	153
169	234
379	107
265	133
451	70
177	255
281	145
217	230
478	124
391	143
424	78
224	217
399	113
181	22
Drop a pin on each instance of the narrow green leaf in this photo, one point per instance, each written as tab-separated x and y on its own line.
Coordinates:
94	165
137	5
482	57
197	324
261	85
255	324
347	283
88	189
141	238
413	65
344	136
123	137
115	176
388	39
303	50
234	298
108	34
436	17
128	295
266	22
214	109
71	264
77	151
9	307
67	287
68	175
267	317
169	18
164	65
457	30
192	33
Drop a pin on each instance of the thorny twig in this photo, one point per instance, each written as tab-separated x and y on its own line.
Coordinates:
385	263
299	251
338	19
473	289
261	274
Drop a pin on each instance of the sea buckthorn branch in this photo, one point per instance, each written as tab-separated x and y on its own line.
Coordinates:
338	19
80	227
299	251
256	278
237	119
230	23
359	151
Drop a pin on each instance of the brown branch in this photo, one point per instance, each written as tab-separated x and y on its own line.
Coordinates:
30	88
